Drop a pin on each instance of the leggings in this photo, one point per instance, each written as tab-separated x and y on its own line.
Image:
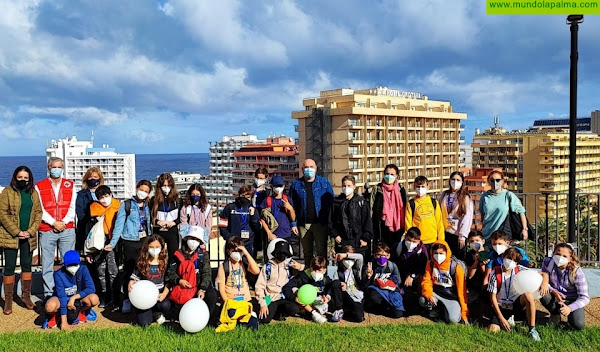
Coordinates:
131	251
11	258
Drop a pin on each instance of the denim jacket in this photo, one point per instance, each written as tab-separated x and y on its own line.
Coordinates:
128	227
323	195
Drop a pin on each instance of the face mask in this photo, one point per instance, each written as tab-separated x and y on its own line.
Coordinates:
476	246
389	179
141	195
439	258
195	199
347	190
421	191
236	256
278	190
106	201
317	276
455	184
347	263
309	172
497	185
560	261
382	261
192	244
154	252
243	201
73	269
56	172
410	245
500	248
259	182
280	257
21	184
92	182
166	189
508	264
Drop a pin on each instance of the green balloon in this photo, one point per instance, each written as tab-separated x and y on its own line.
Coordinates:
307	294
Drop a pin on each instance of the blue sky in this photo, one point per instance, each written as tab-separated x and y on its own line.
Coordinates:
170	76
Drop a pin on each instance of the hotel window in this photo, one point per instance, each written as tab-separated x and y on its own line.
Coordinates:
353	164
353	122
353	150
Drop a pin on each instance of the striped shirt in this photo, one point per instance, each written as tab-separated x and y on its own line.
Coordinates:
154	276
576	289
507	292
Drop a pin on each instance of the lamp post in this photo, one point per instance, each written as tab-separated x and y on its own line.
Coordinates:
573	21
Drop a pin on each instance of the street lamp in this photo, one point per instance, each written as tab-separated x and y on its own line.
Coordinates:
573	21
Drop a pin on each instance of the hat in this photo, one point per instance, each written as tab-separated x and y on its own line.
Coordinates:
71	258
282	247
277	181
197	232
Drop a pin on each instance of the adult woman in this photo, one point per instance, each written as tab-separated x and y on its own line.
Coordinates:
92	179
20	217
494	209
458	208
196	211
388	202
165	212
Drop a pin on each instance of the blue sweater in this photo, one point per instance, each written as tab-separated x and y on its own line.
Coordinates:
67	285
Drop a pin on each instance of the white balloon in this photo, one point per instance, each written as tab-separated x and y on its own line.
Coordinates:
527	281
537	295
144	295
271	247
194	315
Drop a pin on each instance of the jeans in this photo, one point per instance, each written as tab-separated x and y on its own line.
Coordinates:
317	234
576	318
10	256
49	240
106	267
450	308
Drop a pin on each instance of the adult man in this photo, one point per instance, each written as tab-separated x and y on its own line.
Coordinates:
58	208
312	197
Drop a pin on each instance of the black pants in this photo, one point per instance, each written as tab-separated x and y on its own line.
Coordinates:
145	317
376	304
353	311
337	298
387	236
131	252
171	237
576	318
452	241
279	309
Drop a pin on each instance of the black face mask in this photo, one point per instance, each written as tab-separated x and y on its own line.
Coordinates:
92	182
243	201
22	184
280	257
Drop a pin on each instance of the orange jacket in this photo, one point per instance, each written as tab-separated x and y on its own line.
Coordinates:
459	279
110	214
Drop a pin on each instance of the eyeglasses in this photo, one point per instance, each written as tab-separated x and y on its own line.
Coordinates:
496	179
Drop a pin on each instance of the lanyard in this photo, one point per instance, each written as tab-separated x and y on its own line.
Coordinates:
451	200
237	278
562	284
244	212
507	286
196	214
142	214
166	209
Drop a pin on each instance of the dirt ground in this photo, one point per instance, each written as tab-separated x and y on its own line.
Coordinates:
23	320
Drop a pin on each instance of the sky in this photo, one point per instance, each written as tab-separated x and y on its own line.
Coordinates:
170	76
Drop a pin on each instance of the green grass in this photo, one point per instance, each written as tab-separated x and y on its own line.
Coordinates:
311	337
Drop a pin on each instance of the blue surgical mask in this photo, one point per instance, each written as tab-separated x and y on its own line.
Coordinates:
195	199
389	179
56	172
309	172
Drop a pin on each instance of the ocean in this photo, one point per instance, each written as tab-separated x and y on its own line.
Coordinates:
147	166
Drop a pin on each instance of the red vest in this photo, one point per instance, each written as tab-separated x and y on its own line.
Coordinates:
187	272
57	208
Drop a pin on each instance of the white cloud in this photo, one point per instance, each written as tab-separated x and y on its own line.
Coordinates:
145	136
87	114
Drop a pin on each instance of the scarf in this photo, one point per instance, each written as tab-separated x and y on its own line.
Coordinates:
393	209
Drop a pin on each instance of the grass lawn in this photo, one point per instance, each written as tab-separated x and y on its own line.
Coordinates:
309	337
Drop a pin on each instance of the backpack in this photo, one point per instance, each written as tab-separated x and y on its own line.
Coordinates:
454	262
498	273
186	271
412	206
95	238
127	208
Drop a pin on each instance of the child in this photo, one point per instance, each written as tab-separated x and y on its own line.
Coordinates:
240	219
506	302
327	289
74	295
476	260
424	212
384	295
500	243
351	274
152	265
105	262
444	285
273	276
190	274
279	210
565	288
412	258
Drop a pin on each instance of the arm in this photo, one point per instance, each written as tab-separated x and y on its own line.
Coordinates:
461	288
36	214
367	223
439	216
119	225
88	282
427	284
79	206
59	288
253	267
583	297
10	226
178	204
486	275
171	276
408	216
70	216
224	219
260	288
221	282
467	220
46	217
206	273
254	221
183	216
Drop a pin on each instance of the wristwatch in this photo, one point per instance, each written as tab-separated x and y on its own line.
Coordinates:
413	275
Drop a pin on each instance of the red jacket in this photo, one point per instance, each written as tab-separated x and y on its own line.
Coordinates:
57	208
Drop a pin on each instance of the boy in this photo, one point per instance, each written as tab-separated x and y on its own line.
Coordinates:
476	260
328	291
352	277
384	295
412	259
271	280
506	302
74	295
424	212
444	286
500	243
106	265
240	219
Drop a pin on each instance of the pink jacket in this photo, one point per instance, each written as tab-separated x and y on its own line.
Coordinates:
196	216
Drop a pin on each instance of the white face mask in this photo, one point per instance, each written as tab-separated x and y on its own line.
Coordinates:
259	182
439	258
236	256
410	245
192	244
166	189
154	252
500	248
421	191
476	246
317	276
347	263
73	269
347	190
455	184
278	190
497	185
106	201
509	264
141	195
560	261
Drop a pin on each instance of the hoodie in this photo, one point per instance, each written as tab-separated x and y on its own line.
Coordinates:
109	213
437	279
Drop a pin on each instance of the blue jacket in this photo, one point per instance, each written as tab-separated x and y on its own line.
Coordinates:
128	227
323	195
82	210
232	224
67	285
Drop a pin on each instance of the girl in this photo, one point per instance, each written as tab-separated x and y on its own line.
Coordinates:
20	217
352	275
165	212
458	206
565	288
92	179
152	265
196	211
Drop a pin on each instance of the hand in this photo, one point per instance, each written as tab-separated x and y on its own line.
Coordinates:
294	264
130	285
325	299
363	243
340	256
89	259
251	211
24	235
408	282
295	230
504	323
161	223
201	294
338	239
244	250
287	205
64	326
59	225
183	283
433	301
264	312
270	235
108	248
344	286
163	295
298	302
486	261
461	243
369	270
565	310
170	224
544	290
559	296
525	234
71	304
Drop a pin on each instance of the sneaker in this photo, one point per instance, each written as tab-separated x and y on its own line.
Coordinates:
102	303
434	314
535	335
81	317
91	316
555	319
126	306
337	315
318	318
511	321
49	322
161	319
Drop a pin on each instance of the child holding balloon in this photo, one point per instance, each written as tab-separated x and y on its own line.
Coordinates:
564	288
152	265
508	304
